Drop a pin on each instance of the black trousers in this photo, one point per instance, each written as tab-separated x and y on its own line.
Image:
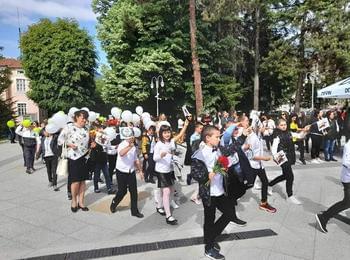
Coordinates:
316	146
211	228
127	181
149	173
339	206
288	176
264	183
268	140
300	144
112	159
29	156
51	167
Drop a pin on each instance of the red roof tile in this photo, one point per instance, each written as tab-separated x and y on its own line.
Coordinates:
11	63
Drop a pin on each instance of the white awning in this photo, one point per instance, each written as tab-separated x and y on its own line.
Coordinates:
339	89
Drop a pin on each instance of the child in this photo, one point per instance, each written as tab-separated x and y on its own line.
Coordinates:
148	142
126	161
283	142
324	217
163	156
213	195
195	140
49	149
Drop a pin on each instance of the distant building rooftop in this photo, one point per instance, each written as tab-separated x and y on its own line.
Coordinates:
11	63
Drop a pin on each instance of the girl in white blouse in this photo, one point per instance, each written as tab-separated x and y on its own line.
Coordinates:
163	155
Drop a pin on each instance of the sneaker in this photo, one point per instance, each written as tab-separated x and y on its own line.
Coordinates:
174	205
238	222
217	247
303	161
110	192
315	161
294	200
266	206
213	254
55	188
97	191
319	160
28	171
334	160
322	223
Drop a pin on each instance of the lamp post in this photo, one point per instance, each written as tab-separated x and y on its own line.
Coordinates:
314	77
158	81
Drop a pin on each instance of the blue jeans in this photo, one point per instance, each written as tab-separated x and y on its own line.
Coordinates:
104	168
329	148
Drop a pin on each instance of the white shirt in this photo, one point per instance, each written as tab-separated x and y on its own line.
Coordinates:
164	165
257	149
152	143
126	163
217	183
180	123
47	143
27	133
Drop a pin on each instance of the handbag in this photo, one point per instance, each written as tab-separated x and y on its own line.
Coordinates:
62	166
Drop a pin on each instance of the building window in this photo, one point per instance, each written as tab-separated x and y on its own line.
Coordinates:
21	85
20	72
21	109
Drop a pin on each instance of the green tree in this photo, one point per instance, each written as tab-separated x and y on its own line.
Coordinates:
60	60
5	104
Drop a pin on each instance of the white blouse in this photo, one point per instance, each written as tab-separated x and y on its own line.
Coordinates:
78	136
164	165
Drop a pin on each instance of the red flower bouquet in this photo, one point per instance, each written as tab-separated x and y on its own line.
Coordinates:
220	167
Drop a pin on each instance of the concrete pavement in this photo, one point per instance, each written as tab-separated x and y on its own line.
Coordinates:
36	221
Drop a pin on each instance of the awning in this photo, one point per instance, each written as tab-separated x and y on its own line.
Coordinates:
339	89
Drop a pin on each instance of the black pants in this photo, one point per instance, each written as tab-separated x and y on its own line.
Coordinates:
339	206
268	140
316	146
51	167
149	173
211	228
127	181
288	176
264	183
300	144
29	155
112	159
12	135
306	144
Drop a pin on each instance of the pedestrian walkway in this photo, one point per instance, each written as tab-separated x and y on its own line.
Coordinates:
35	221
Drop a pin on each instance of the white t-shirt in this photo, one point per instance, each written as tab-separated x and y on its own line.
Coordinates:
257	149
217	183
126	163
164	165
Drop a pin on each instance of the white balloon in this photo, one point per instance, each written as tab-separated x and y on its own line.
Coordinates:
60	119
149	123
52	128
111	133
127	116
85	108
136	119
139	110
71	111
137	132
145	115
92	116
115	111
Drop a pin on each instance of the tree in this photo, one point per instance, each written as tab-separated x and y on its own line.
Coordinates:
5	104
60	60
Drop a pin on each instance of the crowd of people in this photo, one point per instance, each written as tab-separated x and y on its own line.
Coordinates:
226	153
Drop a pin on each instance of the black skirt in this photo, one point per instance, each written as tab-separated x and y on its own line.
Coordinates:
78	169
165	179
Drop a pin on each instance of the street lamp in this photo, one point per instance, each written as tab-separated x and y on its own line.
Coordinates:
157	80
314	77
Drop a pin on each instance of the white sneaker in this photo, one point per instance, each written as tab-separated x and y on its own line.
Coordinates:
315	161
319	160
294	200
174	205
269	191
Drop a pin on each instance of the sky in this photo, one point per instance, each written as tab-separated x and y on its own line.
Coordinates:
31	11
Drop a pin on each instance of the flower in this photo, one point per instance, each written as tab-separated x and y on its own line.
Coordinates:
220	167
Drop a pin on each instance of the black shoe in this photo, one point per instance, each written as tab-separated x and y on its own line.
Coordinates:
111	191
160	211
239	222
138	215
303	161
171	220
55	188
213	254
322	223
69	196
334	160
83	208
113	207
74	209
189	179
151	180
28	171
327	160
217	246
97	191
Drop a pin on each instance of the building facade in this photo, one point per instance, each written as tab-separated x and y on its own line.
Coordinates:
17	92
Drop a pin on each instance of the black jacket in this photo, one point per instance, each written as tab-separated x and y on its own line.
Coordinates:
286	144
53	145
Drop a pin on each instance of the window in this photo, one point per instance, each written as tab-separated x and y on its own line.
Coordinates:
21	109
20	72
21	85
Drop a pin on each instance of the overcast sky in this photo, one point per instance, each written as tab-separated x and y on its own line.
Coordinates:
31	11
